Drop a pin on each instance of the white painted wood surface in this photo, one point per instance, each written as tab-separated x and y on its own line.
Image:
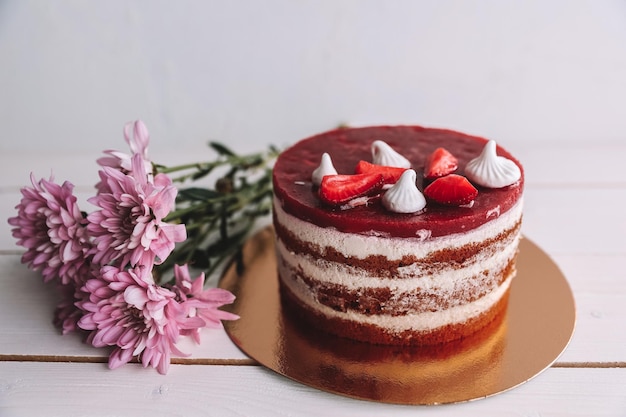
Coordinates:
574	211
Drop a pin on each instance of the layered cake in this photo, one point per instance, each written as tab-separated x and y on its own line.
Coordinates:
398	235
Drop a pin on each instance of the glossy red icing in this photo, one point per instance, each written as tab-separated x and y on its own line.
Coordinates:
293	187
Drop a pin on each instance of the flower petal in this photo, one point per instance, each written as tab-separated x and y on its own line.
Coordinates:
119	357
136	296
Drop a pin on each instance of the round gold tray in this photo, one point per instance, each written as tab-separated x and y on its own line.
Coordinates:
535	330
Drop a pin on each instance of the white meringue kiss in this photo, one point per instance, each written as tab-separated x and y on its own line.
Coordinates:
383	154
326	167
491	170
403	196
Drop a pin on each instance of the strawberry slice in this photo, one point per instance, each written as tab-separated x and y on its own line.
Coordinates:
391	175
453	190
339	188
440	163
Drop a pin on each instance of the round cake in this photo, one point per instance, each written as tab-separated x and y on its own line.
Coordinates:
400	235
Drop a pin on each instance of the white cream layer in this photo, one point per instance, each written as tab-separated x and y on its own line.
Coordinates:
415	322
361	245
409	278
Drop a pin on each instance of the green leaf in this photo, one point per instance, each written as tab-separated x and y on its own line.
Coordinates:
221	149
197	194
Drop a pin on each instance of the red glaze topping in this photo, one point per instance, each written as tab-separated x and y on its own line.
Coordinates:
293	187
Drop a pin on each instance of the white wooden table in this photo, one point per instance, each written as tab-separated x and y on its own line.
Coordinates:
575	210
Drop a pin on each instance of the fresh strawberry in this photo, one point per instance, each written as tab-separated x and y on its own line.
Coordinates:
440	163
391	175
452	189
338	189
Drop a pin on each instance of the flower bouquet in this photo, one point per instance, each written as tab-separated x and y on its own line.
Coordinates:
123	271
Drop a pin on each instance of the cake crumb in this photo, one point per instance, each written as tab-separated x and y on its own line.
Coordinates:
423	234
493	212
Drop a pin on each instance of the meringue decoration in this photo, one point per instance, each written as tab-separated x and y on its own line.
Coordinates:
383	154
403	196
326	167
491	170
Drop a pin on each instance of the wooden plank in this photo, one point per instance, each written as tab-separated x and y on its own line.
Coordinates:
599	289
598	335
593	273
30	304
566	221
192	390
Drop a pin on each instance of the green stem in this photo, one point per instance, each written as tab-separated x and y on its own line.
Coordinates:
219	219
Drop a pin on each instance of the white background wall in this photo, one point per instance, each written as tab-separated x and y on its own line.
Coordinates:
253	72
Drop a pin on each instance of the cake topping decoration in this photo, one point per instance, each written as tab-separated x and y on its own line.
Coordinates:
403	196
339	189
390	174
383	154
439	163
453	189
491	170
326	167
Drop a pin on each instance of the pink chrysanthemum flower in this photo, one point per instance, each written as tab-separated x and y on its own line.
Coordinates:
200	302
129	225
126	309
137	137
51	227
67	314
